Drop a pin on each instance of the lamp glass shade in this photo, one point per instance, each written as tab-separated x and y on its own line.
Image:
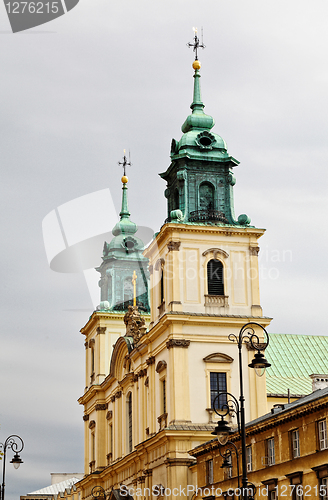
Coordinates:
16	461
222	431
259	363
259	370
223	438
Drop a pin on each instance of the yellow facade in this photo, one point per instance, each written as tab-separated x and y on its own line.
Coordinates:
146	406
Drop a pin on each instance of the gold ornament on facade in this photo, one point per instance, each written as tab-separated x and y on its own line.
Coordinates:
135	324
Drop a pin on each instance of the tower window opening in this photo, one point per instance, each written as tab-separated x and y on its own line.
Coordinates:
206	196
205	141
215	277
129	244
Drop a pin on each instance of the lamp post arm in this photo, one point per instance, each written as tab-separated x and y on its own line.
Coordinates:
3	472
229	407
244	479
17	448
228	452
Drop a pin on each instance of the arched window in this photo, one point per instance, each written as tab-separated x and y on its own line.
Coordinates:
129	422
206	196
215	277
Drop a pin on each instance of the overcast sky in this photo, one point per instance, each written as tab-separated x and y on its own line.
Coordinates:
111	75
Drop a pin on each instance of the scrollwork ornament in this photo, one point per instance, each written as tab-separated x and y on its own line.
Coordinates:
11	443
248	336
225	404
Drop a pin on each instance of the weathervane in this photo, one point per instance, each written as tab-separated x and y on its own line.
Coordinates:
197	45
125	162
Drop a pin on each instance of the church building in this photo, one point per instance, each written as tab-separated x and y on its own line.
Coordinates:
169	310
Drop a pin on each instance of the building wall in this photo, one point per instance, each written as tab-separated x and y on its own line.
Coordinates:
287	471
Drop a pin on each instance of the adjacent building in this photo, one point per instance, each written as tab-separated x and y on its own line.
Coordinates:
287	454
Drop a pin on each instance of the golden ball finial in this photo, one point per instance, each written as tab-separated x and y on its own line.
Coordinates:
124	179
196	64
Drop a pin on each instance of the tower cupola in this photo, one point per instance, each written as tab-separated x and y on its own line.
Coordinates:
200	177
124	270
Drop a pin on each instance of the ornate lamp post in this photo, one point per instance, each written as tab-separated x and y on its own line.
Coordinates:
230	405
16	444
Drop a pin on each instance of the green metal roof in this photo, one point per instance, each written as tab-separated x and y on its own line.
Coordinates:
293	359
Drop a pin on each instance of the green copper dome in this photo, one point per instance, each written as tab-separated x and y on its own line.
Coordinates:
197	139
122	258
200	177
124	241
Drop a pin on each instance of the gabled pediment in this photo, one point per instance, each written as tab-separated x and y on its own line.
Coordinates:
218	357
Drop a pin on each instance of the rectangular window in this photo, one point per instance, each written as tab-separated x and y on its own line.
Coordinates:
273	495
322	431
295	443
110	438
229	469
271	454
324	488
249	463
298	492
164	395
93	447
218	382
209	472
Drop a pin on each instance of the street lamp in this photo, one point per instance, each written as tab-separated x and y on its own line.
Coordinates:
248	336
17	447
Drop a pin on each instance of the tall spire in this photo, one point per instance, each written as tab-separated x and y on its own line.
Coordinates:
198	120
124	213
125	225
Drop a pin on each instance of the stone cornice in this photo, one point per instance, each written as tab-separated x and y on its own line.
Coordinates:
286	416
89	394
179	461
200	318
172	231
97	316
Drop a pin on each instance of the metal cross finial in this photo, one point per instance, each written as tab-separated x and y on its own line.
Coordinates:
197	45
125	162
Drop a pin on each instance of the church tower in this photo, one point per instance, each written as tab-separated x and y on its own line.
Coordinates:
123	259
